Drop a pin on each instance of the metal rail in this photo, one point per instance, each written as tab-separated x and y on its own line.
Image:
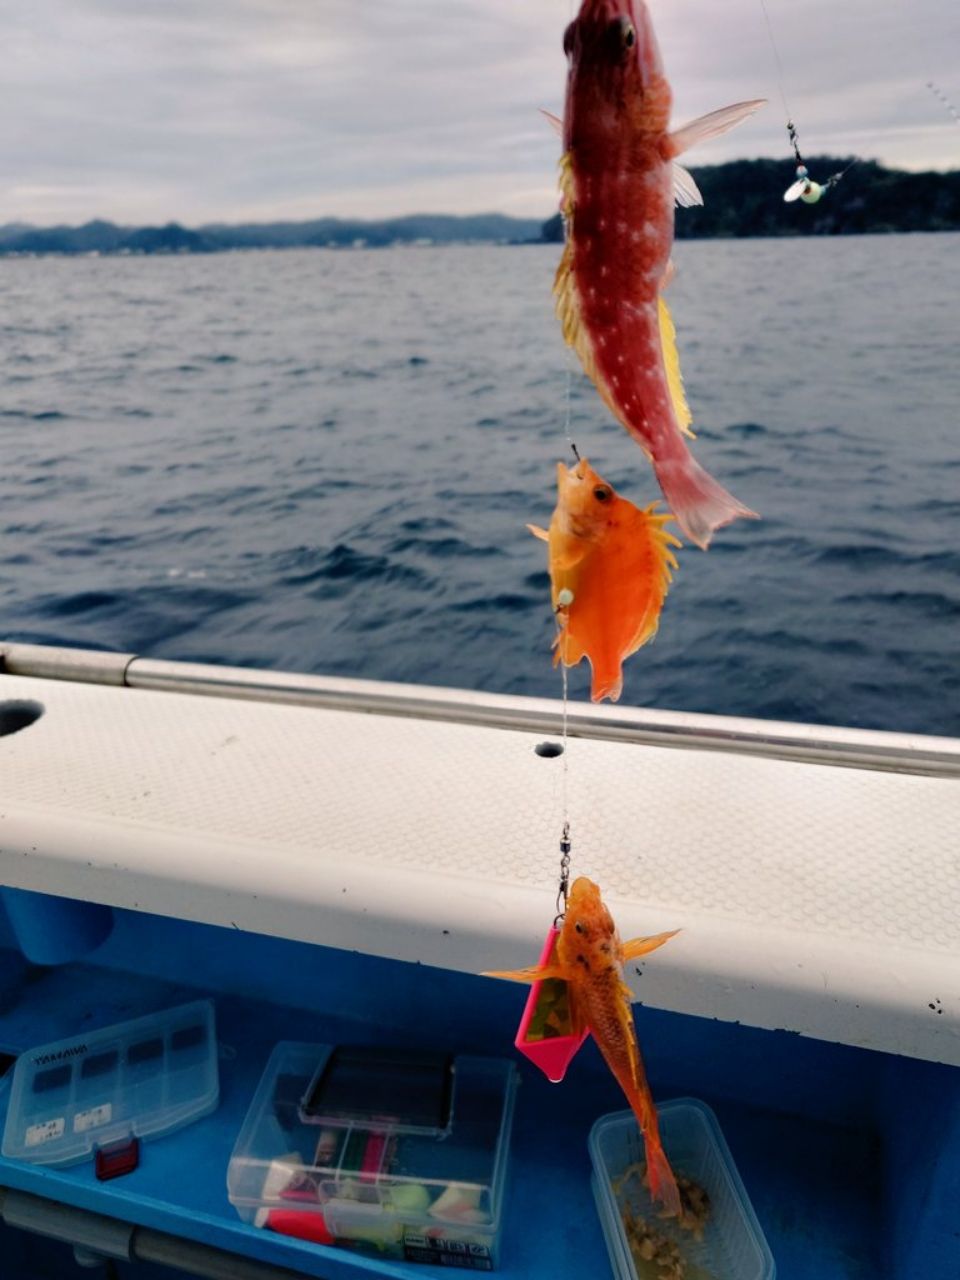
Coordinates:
97	1238
820	744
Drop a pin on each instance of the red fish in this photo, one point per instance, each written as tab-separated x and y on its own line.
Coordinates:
610	568
589	957
619	181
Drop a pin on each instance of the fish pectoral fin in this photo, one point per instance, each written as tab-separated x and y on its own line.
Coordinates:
536	973
638	947
669	272
555	122
538	532
710	126
685	190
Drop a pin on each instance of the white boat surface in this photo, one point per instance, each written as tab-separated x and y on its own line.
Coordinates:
813	871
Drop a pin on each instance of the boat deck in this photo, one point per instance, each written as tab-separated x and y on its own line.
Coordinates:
816	898
337	859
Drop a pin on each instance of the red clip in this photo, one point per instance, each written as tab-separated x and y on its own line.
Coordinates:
117	1158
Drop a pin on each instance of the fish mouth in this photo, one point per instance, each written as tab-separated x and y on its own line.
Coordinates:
567	477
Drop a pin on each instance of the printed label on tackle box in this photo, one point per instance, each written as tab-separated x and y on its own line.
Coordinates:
440	1252
48	1131
93	1118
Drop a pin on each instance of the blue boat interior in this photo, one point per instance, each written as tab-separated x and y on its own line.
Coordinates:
850	1157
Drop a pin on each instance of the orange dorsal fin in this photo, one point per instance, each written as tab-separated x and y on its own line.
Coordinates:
663	564
538	532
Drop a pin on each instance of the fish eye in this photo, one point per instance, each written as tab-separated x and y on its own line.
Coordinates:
579	927
568	38
623	33
603	493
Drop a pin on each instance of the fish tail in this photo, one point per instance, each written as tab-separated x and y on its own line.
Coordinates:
700	504
606	682
663	1185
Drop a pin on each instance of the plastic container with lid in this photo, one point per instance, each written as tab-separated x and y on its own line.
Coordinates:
137	1079
432	1192
733	1245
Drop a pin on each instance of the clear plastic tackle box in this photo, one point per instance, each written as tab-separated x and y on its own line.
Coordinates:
427	1189
135	1080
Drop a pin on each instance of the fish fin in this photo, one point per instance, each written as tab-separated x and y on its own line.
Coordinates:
606	684
538	532
660	575
555	121
536	973
671	361
710	126
685	190
663	1184
638	947
564	561
669	273
568	308
700	504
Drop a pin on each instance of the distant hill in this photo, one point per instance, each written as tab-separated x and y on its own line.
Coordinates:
105	237
742	198
745	198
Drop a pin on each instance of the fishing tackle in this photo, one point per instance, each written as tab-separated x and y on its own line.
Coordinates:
804	188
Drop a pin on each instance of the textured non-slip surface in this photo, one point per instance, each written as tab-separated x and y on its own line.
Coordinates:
822	899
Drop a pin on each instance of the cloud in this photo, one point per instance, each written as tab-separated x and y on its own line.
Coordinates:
235	109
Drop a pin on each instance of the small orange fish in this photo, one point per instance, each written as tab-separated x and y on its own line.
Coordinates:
610	568
589	957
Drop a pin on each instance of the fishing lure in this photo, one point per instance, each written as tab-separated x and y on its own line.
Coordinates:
804	188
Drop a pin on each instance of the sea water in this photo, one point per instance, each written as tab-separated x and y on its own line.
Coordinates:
324	461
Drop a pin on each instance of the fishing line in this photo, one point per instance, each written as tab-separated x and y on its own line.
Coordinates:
916	32
780	74
565	842
942	97
564	600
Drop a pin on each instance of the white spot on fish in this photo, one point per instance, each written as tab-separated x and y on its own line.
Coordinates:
565	598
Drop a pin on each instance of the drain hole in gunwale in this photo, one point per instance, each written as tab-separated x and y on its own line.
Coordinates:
17	714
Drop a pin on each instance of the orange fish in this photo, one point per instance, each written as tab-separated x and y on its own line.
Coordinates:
619	180
610	568
589	957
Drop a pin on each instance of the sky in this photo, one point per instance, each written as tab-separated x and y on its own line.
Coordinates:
143	111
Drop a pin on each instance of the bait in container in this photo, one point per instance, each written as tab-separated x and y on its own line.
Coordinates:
732	1246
